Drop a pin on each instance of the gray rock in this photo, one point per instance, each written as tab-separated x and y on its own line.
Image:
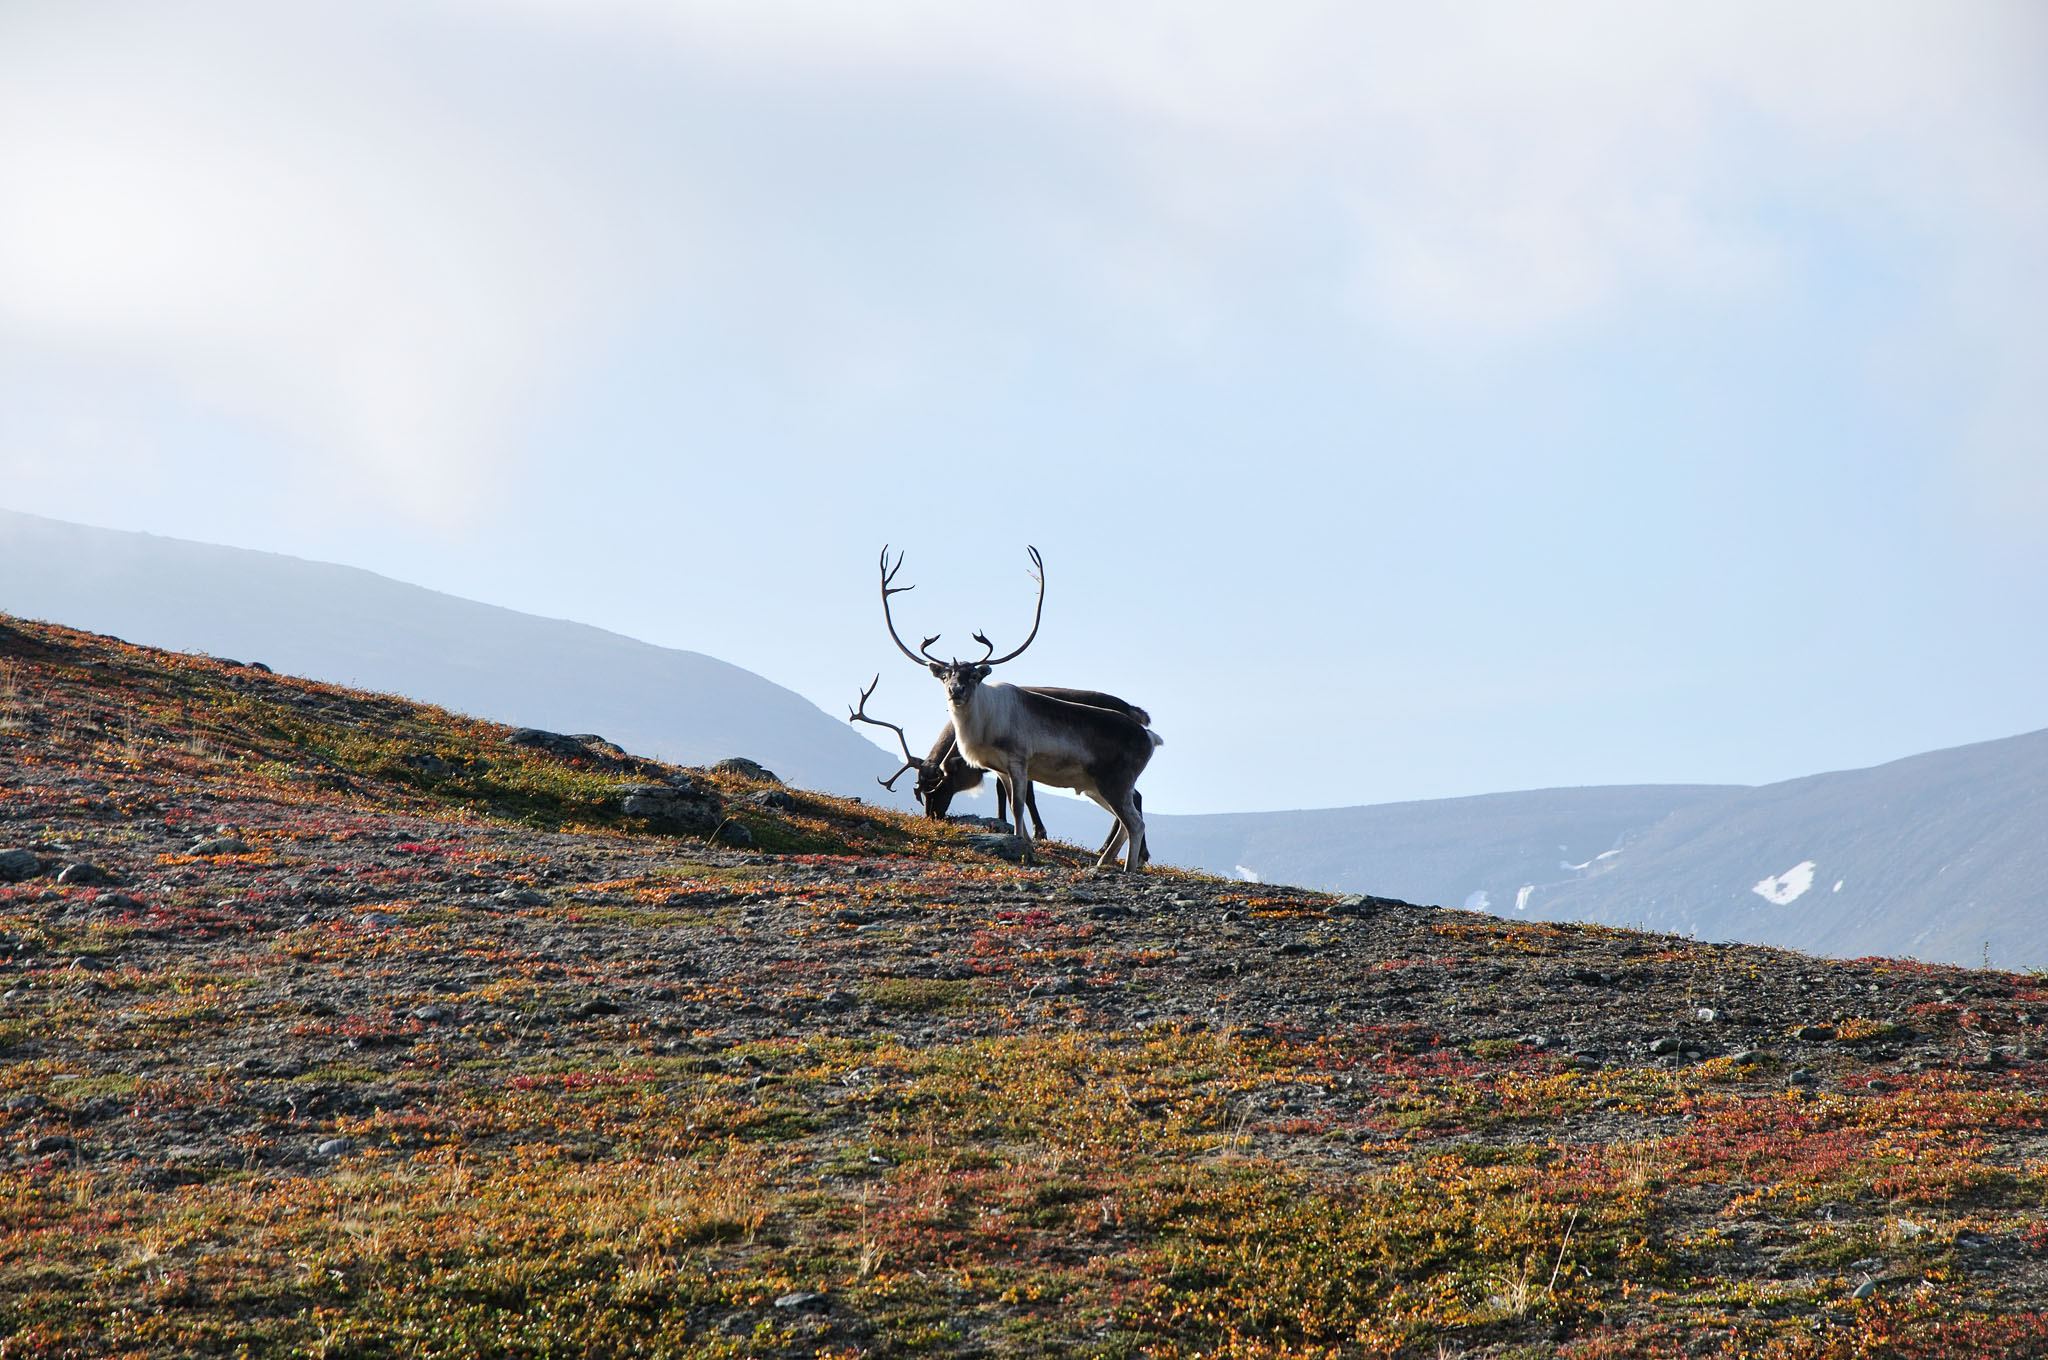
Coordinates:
672	807
432	1015
746	769
1110	911
1002	847
378	920
220	845
548	743
82	874
772	798
1813	1033
734	833
427	764
523	897
1661	1047
1865	1290
1706	1015
1802	1077
334	1147
803	1301
16	865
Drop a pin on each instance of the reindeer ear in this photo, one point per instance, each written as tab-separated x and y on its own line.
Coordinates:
938	670
981	672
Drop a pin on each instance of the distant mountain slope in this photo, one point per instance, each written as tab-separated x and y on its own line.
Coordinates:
1453	851
350	626
1936	856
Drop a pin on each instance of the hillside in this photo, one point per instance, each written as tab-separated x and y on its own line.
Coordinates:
354	627
336	1025
1942	856
1470	852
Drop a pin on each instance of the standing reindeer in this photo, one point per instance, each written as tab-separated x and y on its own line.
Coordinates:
945	773
1022	735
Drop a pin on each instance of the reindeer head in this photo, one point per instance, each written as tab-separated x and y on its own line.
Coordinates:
961	678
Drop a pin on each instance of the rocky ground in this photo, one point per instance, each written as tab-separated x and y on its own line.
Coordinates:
336	1025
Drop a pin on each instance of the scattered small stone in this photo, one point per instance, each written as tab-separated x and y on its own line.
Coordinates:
16	865
1111	911
334	1147
50	1143
1802	1077
1865	1290
803	1302
1813	1033
774	799
1706	1015
378	920
432	1014
596	1006
1297	948
220	845
1663	1046
1539	1042
82	875
1748	1057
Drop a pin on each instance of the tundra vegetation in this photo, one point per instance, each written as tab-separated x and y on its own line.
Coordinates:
335	1025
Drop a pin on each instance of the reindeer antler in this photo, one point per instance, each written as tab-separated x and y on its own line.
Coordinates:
860	714
888	575
1038	575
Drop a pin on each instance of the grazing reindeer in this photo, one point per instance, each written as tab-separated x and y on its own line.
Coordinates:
1023	736
941	774
945	772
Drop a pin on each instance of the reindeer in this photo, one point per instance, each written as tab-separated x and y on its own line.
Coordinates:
1023	736
945	773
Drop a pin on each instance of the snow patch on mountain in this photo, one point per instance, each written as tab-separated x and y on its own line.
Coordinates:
1787	887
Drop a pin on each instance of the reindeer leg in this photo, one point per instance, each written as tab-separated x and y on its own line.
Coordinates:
1002	798
1031	802
1133	823
1020	789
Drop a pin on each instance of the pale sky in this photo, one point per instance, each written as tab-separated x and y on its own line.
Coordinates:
1409	401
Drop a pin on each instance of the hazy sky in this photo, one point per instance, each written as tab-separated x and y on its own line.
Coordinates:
1408	400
